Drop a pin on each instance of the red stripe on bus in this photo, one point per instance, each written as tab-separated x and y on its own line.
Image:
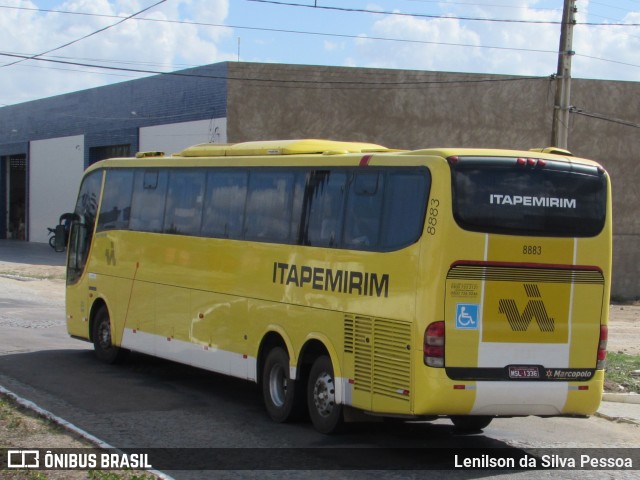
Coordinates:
364	161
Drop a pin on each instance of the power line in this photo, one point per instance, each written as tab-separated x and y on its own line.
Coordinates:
440	17
601	116
475	4
387	39
299	32
85	36
305	32
353	10
295	81
607	60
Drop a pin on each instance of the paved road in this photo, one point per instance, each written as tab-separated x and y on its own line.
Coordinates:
151	403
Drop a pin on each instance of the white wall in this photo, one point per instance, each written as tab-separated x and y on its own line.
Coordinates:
55	170
175	137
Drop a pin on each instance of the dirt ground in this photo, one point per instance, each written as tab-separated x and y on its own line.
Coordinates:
22	429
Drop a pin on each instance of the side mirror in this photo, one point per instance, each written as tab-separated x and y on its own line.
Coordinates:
61	239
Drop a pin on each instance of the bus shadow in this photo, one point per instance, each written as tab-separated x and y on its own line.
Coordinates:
170	405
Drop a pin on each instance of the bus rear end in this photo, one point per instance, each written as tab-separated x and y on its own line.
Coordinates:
526	288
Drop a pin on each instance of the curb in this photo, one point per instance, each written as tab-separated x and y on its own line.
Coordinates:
70	427
611	418
621	398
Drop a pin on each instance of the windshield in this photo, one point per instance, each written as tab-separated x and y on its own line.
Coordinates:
543	198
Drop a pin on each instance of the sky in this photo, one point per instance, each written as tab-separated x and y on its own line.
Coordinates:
72	41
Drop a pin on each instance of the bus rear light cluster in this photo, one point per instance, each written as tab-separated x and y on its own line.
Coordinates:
602	347
531	162
434	345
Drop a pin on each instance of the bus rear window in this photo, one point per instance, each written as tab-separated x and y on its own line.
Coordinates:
502	195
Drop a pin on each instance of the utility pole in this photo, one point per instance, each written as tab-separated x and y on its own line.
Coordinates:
560	129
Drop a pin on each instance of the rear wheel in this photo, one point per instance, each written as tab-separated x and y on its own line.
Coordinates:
102	339
325	412
471	423
278	389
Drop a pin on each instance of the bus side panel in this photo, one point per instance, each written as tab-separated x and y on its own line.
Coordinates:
77	304
106	278
171	326
207	302
138	322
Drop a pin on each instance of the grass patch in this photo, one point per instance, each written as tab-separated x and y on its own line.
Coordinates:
9	418
23	428
619	368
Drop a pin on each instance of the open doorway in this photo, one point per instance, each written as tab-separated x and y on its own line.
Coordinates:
15	196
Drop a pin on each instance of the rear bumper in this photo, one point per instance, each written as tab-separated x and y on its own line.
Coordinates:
443	396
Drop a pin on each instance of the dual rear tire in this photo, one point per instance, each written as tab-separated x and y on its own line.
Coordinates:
281	393
325	412
284	398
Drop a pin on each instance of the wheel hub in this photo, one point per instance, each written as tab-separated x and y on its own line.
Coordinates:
324	394
105	336
278	386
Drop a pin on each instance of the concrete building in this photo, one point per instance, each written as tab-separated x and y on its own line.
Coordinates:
46	144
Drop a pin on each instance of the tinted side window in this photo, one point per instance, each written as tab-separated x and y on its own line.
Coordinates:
148	202
296	208
185	197
364	211
404	210
116	200
324	208
269	206
225	199
87	204
82	232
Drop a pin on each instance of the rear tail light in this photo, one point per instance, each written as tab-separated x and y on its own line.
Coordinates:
531	162
602	347
434	345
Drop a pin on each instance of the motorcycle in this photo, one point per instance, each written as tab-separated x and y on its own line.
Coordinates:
61	229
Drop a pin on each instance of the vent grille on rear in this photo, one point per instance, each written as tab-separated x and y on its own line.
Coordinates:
382	355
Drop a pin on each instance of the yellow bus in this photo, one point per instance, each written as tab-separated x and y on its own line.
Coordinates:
349	279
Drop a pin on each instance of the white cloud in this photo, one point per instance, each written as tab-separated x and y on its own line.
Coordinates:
331	46
619	47
157	46
456	45
520	39
438	43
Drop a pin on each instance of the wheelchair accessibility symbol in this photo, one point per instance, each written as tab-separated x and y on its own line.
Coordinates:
467	316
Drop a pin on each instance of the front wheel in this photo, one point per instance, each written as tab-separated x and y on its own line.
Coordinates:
278	389
324	410
102	339
471	423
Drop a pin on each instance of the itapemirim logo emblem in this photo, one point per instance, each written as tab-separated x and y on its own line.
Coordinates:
535	308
